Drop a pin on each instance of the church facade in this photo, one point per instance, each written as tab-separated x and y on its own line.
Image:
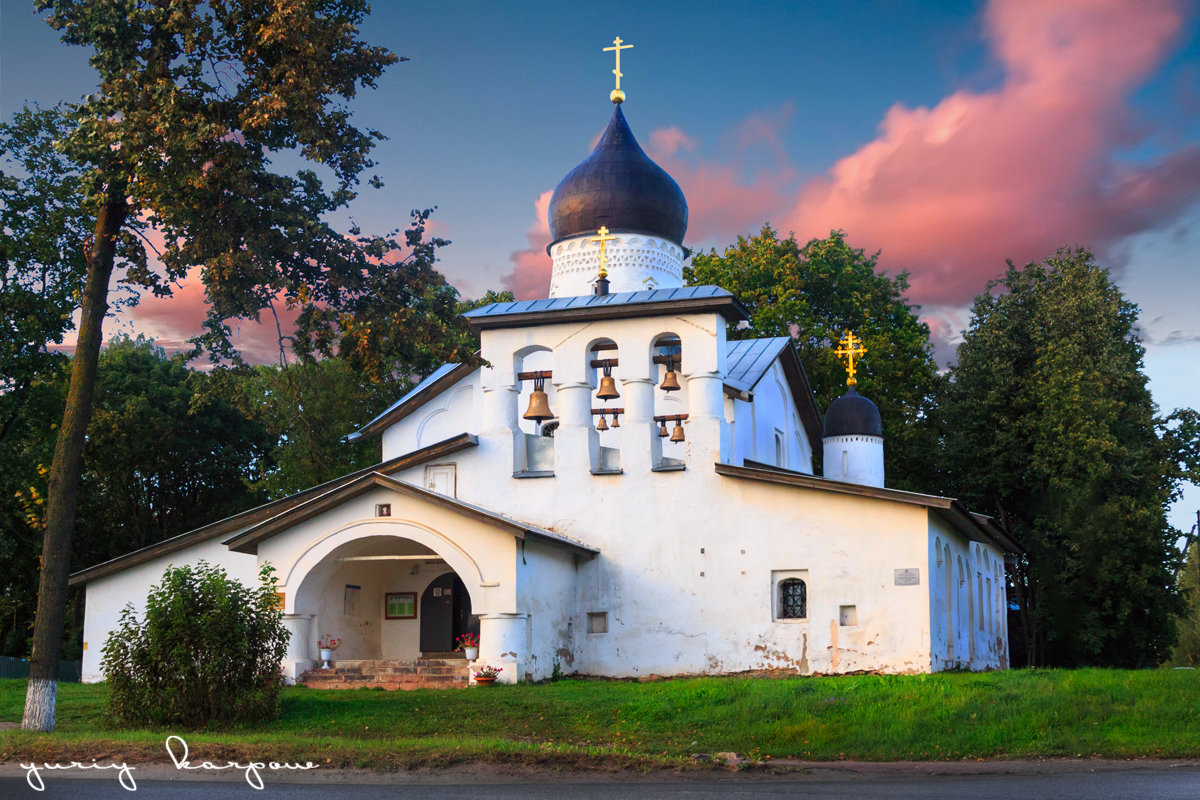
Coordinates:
621	491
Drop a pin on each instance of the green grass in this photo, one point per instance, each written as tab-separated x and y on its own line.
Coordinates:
602	724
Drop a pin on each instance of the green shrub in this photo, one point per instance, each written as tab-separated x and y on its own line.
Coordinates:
208	649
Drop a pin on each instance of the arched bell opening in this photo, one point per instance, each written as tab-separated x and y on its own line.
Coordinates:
603	370
536	413
670	399
372	593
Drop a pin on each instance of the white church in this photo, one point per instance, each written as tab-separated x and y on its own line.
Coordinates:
621	491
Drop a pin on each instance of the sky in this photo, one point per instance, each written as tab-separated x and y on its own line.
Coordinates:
949	136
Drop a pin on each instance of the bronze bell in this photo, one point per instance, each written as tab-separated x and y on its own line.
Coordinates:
539	403
603	424
662	429
670	381
616	422
677	434
608	388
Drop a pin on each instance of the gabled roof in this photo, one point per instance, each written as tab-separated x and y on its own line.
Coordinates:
247	541
749	360
226	526
438	381
588	307
973	526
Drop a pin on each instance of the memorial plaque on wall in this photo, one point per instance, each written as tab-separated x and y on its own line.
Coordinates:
908	577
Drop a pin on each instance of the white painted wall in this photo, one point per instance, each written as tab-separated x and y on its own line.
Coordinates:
958	567
636	262
853	459
105	597
447	415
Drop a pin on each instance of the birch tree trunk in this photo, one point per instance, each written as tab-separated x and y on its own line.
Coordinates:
64	469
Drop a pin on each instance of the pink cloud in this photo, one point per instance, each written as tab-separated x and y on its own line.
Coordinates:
530	276
171	321
952	190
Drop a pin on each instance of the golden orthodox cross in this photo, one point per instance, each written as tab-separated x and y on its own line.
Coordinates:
617	96
604	238
849	348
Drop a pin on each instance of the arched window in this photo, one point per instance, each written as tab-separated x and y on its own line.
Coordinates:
793	599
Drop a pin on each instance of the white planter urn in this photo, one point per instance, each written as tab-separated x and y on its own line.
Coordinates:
326	655
471	653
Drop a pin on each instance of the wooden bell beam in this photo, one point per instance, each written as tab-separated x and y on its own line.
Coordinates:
669	417
601	411
533	376
600	363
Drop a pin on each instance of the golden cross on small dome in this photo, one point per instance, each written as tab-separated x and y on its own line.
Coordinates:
604	238
617	96
849	348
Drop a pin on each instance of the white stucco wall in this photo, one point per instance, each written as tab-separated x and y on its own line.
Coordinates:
450	413
853	459
636	262
547	587
105	597
756	426
959	567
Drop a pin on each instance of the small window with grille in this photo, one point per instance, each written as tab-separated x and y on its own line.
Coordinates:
793	599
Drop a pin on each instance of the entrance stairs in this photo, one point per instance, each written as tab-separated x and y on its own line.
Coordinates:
421	673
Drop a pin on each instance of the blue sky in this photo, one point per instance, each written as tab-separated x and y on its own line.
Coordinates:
948	135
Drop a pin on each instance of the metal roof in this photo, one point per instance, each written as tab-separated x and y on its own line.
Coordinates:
749	359
598	301
434	377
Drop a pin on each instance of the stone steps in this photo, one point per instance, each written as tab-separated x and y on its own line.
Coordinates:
421	673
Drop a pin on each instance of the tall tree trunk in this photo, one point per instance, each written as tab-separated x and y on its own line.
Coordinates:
64	470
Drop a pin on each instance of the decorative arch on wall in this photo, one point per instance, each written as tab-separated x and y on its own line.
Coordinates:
436	415
313	561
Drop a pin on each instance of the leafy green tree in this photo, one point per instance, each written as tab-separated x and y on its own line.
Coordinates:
206	650
1049	425
306	409
196	106
1187	647
165	453
814	293
42	224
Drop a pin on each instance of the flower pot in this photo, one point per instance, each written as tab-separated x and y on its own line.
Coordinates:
326	655
485	681
471	653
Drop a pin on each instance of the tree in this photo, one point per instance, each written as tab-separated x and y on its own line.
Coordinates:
206	650
165	453
306	410
1049	425
196	105
1187	647
816	292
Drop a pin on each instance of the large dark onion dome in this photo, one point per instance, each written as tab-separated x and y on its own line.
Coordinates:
853	415
620	188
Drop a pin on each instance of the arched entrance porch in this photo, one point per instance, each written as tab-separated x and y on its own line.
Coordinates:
387	597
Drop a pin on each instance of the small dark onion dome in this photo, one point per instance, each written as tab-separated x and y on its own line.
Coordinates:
620	188
853	415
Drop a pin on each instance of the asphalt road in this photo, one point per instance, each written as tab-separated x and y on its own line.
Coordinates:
1157	784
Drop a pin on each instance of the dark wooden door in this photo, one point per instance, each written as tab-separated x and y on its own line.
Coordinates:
445	614
437	615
